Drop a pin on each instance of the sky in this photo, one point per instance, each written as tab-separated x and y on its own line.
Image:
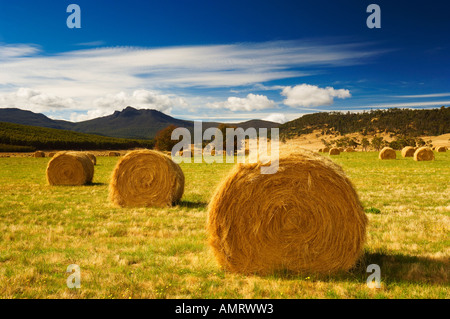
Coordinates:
223	61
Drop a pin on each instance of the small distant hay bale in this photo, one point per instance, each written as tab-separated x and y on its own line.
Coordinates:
341	149
424	154
350	149
387	153
39	154
92	158
51	154
325	149
112	154
70	168
307	217
441	149
334	151
408	151
146	178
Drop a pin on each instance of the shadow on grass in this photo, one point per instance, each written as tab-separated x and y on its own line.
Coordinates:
394	268
189	204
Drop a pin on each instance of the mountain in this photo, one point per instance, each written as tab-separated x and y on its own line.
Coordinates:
128	123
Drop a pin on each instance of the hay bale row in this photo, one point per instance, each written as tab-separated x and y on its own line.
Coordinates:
70	168
306	217
146	178
324	150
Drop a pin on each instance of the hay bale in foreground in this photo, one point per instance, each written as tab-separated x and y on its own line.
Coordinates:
307	217
70	168
112	154
423	154
92	158
387	153
408	151
350	149
38	154
441	149
146	178
335	151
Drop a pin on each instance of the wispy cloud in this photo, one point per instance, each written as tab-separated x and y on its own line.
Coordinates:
419	96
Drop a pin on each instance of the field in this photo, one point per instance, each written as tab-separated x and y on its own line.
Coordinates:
163	253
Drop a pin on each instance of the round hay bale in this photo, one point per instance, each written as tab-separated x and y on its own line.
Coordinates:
325	149
423	154
334	151
146	178
350	149
39	154
114	154
51	154
341	149
92	158
387	153
408	151
70	168
441	149
307	217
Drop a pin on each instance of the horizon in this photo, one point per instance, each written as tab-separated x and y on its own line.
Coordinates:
222	62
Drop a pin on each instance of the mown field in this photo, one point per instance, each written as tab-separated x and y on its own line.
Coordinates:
163	253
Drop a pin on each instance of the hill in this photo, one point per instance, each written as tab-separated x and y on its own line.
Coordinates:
128	123
18	137
401	122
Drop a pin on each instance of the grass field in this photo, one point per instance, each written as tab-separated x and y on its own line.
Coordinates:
163	253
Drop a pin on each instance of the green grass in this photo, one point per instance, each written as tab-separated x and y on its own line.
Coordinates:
163	253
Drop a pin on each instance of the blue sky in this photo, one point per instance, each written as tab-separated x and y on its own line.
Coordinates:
228	60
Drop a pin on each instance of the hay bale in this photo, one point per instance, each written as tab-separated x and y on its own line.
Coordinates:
350	149
38	154
307	217
92	158
341	149
387	153
408	151
441	149
334	151
423	154
112	154
51	154
146	178
70	168
326	149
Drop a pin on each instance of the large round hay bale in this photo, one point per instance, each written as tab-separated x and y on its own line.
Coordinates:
334	151
387	153
423	154
350	149
441	149
306	217
70	168
38	154
408	151
146	178
92	158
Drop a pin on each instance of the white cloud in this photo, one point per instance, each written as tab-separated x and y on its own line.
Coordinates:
276	117
305	95
249	103
35	100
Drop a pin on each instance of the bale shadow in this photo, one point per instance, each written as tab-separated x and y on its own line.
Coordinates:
189	204
394	268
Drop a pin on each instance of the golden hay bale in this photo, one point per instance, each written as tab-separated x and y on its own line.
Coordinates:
307	217
341	149
408	151
70	168
335	151
39	154
423	154
350	149
51	154
114	154
387	153
441	149
92	158
146	178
